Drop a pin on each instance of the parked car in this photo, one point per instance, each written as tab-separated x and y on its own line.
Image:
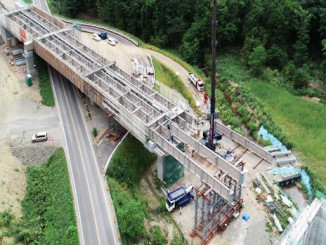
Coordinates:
112	41
96	37
40	136
103	35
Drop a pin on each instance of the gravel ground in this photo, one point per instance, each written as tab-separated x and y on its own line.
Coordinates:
33	154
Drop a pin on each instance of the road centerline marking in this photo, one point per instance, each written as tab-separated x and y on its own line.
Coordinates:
99	175
83	162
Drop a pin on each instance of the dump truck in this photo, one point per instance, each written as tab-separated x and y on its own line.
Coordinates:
197	82
178	198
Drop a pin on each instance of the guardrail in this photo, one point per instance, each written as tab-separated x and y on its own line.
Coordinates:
93	27
245	142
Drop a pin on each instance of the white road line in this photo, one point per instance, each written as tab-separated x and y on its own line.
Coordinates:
72	179
108	162
99	143
100	176
83	163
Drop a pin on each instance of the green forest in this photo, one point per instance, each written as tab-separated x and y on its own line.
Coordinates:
276	33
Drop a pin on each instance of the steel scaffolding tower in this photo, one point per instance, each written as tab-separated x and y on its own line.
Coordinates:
213	212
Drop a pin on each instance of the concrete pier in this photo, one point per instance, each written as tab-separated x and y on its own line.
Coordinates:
29	57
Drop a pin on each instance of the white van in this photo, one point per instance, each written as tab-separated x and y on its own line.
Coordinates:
40	136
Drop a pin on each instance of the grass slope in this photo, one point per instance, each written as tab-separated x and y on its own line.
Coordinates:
167	76
304	122
45	84
128	165
48	211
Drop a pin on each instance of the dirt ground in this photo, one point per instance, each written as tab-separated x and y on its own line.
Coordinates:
238	232
147	187
21	115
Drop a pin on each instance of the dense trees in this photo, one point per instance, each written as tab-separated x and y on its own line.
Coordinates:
288	30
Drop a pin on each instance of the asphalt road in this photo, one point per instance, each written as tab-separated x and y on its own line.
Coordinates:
95	219
94	212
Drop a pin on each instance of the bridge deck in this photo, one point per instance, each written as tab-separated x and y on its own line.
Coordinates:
140	109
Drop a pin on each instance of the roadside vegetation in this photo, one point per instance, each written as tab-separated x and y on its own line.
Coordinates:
244	99
27	1
48	215
45	83
174	55
167	77
128	167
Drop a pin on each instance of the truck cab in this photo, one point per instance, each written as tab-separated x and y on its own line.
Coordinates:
197	82
178	198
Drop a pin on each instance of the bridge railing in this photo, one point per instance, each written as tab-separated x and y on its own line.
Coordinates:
48	17
15	29
189	163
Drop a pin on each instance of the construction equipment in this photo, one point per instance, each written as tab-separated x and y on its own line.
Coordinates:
212	136
197	82
178	198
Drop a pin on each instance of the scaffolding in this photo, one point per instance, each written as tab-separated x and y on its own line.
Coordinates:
213	212
115	130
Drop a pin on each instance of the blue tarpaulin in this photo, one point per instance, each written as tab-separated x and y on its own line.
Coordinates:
305	179
284	170
263	133
245	217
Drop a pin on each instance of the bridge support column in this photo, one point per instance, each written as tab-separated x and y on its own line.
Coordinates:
7	38
5	34
29	57
160	168
169	169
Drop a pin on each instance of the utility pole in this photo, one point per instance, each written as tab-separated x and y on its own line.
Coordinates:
212	145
